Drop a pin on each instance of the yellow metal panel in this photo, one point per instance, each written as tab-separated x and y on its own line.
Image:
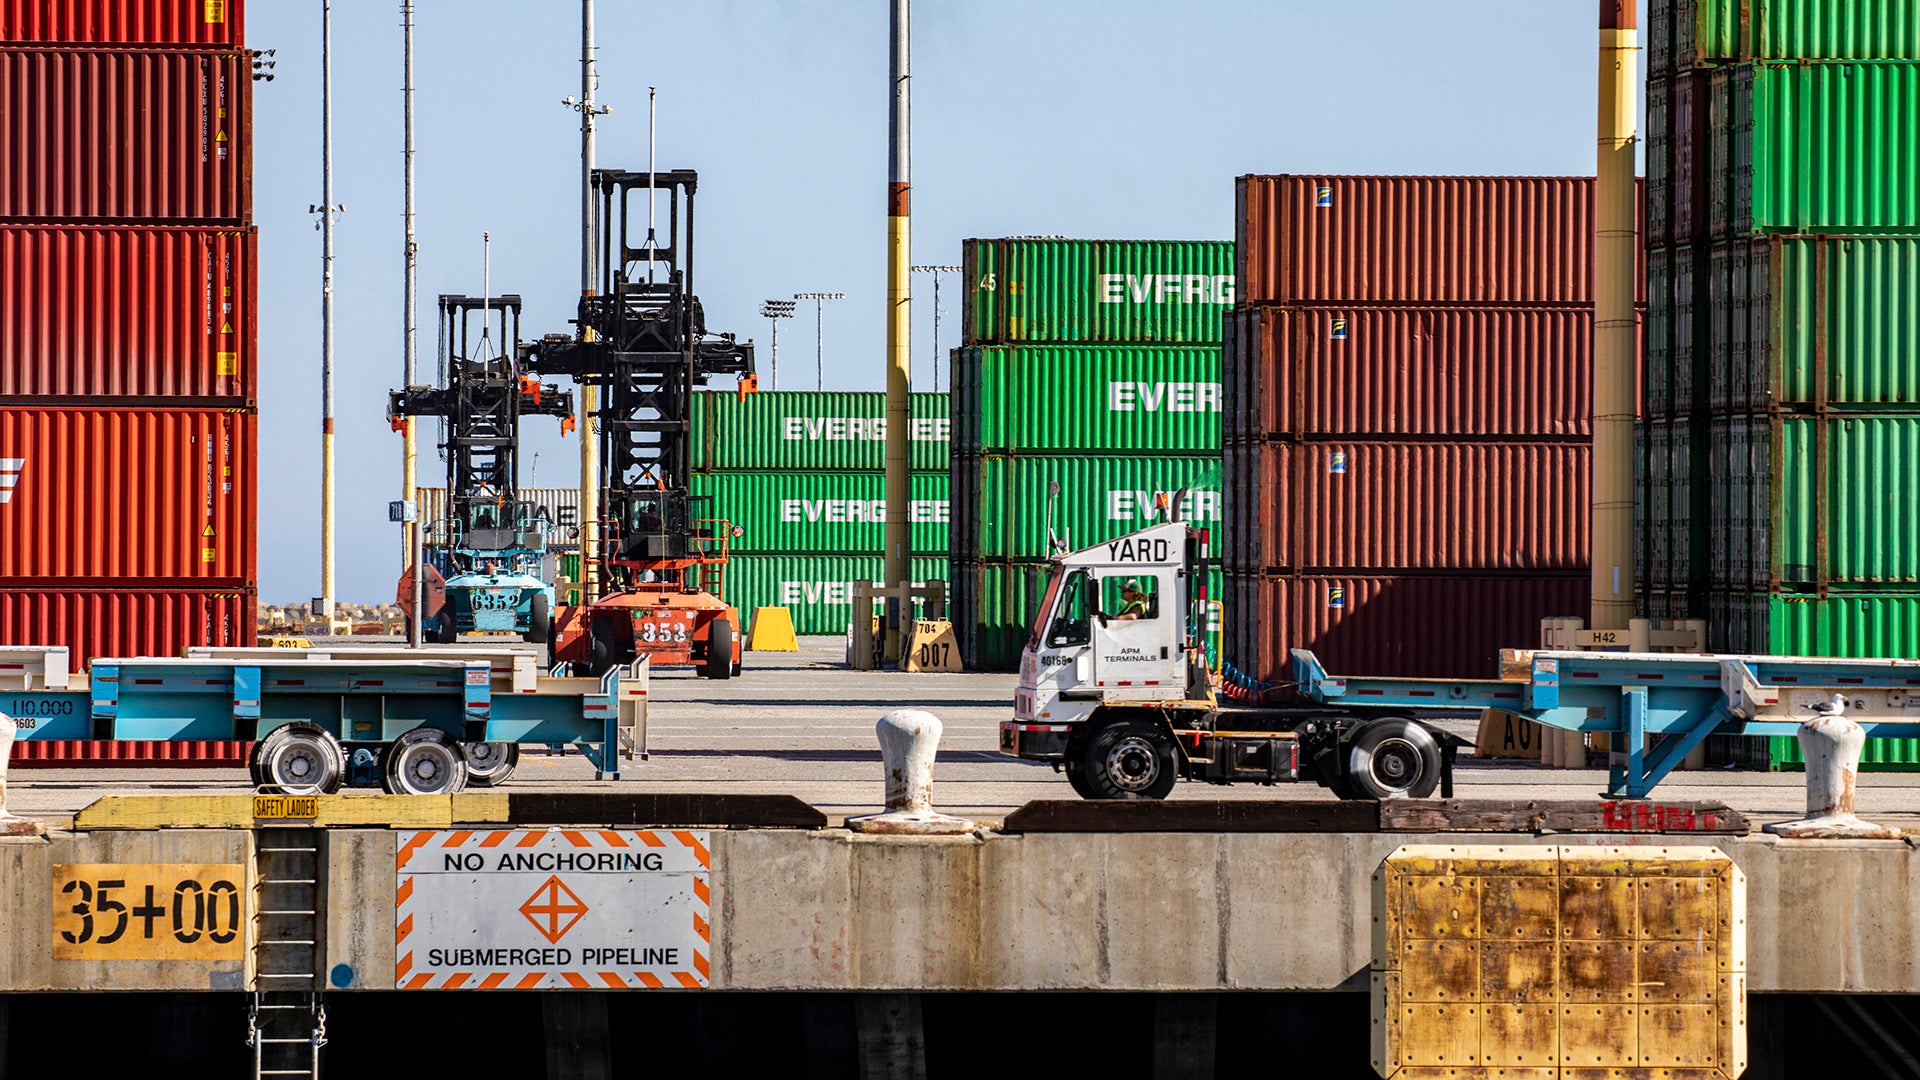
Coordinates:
1565	962
150	911
237	811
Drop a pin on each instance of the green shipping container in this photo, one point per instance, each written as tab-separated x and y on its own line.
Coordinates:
1001	503
821	512
1813	318
806	429
817	590
994	603
1800	501
1096	291
1816	148
1087	398
1720	31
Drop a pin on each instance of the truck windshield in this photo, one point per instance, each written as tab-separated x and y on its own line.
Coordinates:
1069	623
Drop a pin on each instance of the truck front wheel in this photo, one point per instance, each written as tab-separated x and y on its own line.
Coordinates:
1129	759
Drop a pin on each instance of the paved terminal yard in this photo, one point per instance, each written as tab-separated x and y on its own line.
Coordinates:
801	724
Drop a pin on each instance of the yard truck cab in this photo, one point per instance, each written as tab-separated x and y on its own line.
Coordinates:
1115	691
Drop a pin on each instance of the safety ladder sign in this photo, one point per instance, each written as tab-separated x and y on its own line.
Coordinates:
539	909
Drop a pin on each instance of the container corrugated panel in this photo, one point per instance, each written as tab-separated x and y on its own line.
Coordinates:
1421	239
1131	399
1000	503
126	135
1823	147
101	496
1721	31
1657	229
1864	625
1657	341
816	590
1689	288
125	311
1847	490
1359	505
798	512
1451	626
123	22
1413	371
1864	291
1096	291
1667	501
806	429
148	621
1687	122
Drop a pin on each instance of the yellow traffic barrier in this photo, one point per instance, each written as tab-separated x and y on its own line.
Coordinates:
932	647
772	631
1504	735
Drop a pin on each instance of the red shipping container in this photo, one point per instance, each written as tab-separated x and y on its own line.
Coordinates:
126	135
126	622
1434	627
99	496
123	22
1345	504
1410	371
1415	239
127	311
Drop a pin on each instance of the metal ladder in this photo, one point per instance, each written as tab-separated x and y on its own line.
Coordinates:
287	1023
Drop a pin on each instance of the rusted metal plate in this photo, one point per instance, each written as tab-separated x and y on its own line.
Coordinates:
1551	961
1194	815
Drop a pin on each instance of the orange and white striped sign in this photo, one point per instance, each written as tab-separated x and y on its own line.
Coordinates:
539	909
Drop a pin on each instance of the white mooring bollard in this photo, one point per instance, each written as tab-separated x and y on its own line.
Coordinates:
1831	745
909	739
10	825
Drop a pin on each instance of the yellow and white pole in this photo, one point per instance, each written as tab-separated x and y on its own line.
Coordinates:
410	453
899	536
589	426
326	598
1613	328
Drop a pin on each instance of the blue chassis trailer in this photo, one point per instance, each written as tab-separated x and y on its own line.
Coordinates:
365	704
1679	698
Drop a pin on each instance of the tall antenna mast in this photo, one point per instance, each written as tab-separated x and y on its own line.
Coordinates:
650	130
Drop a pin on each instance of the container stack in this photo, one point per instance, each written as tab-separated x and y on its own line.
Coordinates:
1782	439
1408	443
802	474
1093	365
127	324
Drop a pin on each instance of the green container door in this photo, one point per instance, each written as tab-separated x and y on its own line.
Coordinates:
1818	147
822	512
1719	31
817	590
1096	291
1848	486
1864	292
793	429
1102	399
1001	507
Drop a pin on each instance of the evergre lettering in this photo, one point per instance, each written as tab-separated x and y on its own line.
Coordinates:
861	428
1164	288
1127	396
1132	505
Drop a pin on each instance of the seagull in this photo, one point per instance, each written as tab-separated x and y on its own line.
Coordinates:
1835	707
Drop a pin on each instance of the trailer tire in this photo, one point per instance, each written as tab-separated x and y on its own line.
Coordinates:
600	647
1130	759
445	630
540	627
719	650
425	761
301	759
1393	758
490	763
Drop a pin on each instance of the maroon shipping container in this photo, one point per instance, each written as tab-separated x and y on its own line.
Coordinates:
102	496
126	135
126	622
123	22
1347	504
1416	627
1415	239
1409	371
127	311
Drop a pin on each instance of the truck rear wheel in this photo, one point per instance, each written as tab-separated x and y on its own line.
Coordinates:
1393	758
1129	759
540	626
719	650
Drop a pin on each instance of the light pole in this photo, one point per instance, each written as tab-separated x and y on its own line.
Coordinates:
936	271
775	310
819	335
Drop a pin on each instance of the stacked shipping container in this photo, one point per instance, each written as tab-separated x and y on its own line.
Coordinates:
1408	393
1781	443
803	476
1093	365
127	325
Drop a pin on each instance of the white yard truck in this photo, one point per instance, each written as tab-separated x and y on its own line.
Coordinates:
1115	692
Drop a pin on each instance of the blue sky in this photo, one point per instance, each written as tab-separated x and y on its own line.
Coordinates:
1109	118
